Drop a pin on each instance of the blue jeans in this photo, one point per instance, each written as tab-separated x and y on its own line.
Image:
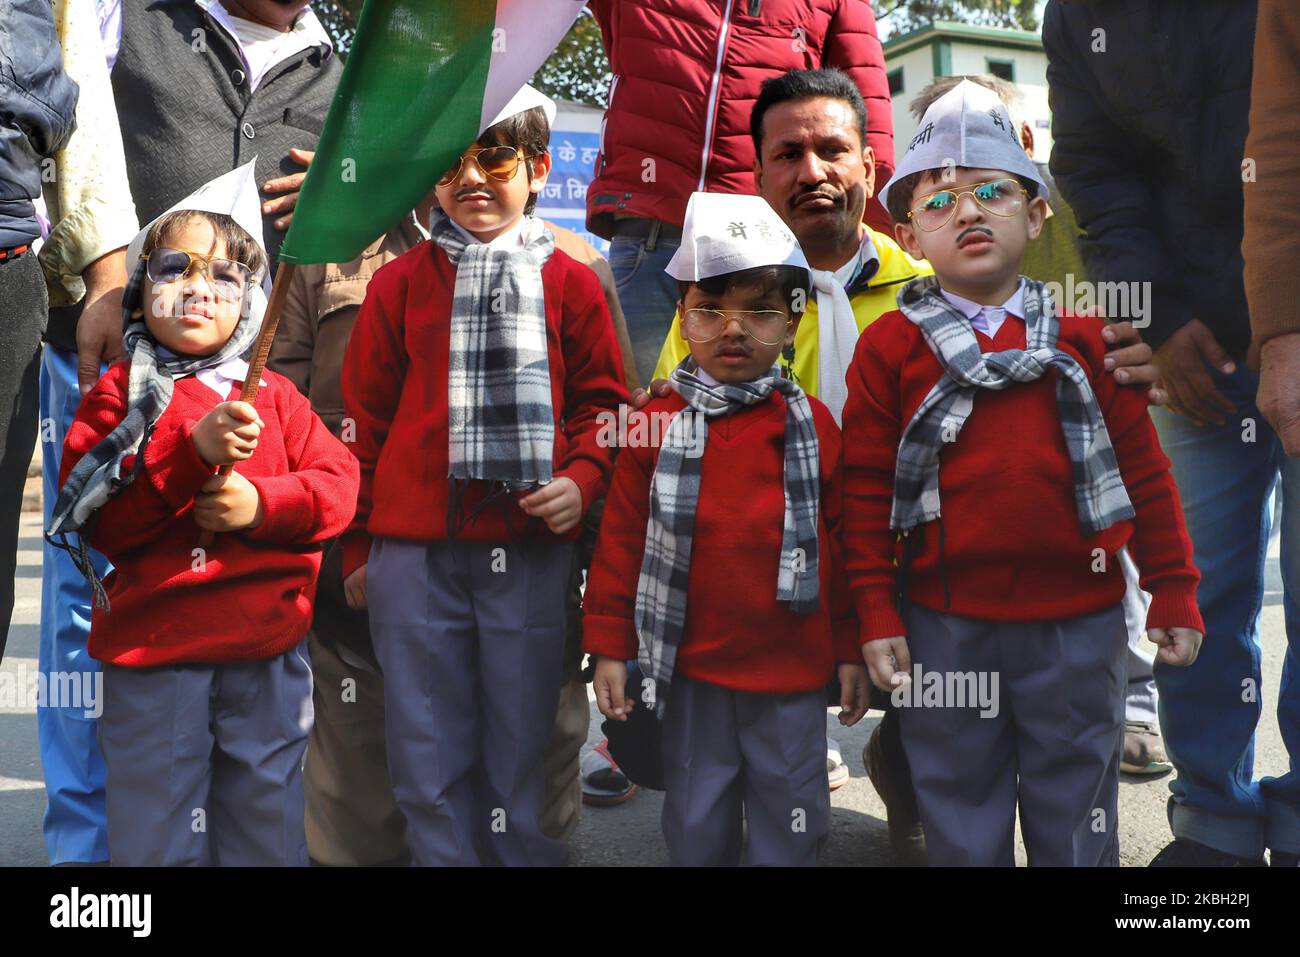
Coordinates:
76	821
647	294
1209	712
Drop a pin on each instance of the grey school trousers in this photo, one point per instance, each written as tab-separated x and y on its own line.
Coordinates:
205	762
1051	740
735	758
470	638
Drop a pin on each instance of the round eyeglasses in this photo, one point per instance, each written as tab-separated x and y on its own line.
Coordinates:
767	326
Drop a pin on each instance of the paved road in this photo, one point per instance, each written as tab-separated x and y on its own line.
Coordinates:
628	834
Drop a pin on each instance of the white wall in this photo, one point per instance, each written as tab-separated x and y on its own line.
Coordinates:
1031	79
918	72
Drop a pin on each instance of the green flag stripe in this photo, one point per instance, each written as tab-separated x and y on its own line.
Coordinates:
411	98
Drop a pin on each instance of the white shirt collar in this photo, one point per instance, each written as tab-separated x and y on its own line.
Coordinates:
989	319
867	260
704	377
519	235
218	378
707	379
1014	306
263	47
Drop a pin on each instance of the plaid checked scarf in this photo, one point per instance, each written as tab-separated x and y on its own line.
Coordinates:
98	476
501	426
1098	488
675	487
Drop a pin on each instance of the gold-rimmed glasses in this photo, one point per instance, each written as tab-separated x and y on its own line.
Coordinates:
767	326
1001	197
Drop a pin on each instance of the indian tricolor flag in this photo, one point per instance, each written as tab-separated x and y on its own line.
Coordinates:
422	80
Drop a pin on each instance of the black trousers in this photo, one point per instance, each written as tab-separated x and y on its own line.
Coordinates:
23	312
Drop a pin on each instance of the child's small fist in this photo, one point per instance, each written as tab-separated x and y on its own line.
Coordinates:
888	662
559	504
1178	646
228	503
354	589
855	694
609	684
228	434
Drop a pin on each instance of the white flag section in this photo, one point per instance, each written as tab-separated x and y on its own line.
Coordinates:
526	33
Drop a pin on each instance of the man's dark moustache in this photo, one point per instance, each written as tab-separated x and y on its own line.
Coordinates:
821	194
975	229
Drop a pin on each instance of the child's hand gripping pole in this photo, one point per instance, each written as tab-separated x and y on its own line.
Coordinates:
279	292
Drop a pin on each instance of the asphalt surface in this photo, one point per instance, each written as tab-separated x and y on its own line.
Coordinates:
629	833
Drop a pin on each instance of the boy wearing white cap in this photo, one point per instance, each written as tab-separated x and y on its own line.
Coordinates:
981	428
718	563
207	694
478	367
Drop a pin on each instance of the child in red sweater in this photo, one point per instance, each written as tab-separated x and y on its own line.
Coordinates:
477	370
718	562
979	424
207	692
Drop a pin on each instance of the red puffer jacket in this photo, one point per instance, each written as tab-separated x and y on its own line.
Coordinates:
686	75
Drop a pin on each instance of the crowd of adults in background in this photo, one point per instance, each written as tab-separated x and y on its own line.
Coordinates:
1172	145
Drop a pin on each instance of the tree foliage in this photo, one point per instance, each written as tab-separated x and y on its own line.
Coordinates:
578	69
903	15
339	17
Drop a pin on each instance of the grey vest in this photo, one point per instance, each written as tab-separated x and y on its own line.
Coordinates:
187	115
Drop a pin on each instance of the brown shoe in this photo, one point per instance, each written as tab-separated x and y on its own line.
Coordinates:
887	768
1144	750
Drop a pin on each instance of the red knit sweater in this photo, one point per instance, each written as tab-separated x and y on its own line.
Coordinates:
1013	549
250	597
395	393
738	634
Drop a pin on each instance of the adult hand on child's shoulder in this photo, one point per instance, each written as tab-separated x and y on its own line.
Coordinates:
1178	646
228	434
855	693
659	388
889	662
609	685
1128	358
228	503
354	589
559	504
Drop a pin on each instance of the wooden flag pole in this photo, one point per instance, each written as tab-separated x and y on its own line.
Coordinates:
279	292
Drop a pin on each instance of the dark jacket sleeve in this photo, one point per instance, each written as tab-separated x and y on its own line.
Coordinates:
1106	179
38	103
1272	244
